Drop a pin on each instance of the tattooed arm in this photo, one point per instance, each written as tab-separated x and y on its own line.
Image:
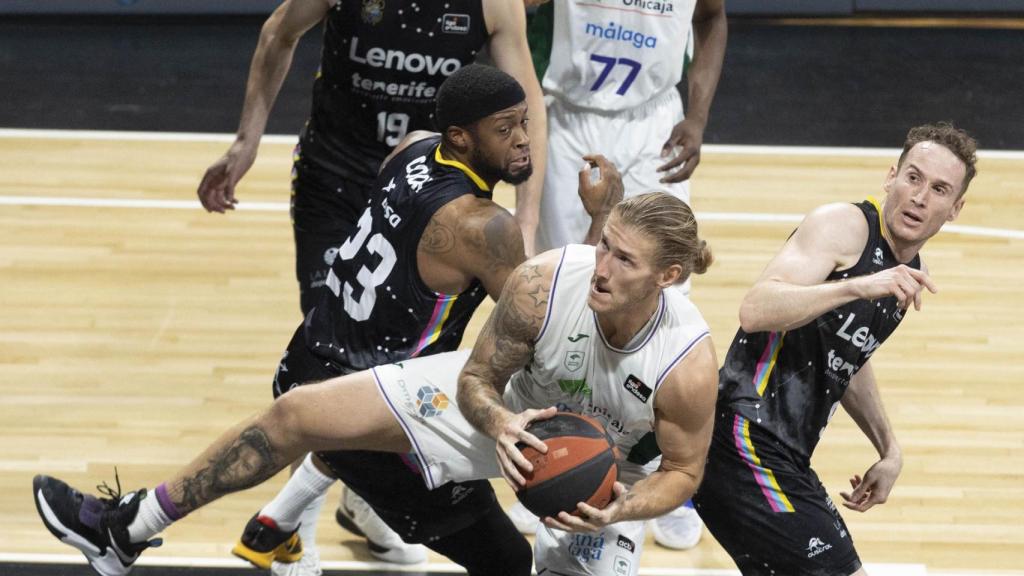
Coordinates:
504	346
470	238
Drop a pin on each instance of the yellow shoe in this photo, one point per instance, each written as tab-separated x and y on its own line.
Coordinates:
263	543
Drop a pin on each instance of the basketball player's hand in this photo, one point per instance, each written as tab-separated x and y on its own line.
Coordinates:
512	431
905	283
683	151
874	488
217	188
588	518
601	196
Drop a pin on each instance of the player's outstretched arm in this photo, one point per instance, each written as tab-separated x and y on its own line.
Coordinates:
684	413
710	34
792	290
864	404
505	345
270	64
511	54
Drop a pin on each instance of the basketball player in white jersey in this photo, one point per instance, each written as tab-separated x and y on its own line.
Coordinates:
588	330
611	85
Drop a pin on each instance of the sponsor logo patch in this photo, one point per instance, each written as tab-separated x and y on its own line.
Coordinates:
615	31
455	24
587	547
637	388
430	401
816	546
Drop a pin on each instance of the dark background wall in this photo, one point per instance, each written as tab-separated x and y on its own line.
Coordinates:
797	84
738	7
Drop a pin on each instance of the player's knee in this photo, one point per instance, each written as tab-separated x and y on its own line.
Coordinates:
285	416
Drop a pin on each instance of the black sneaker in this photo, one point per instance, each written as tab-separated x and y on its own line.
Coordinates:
98	527
263	543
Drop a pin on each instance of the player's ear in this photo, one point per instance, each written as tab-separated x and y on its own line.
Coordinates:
670	275
957	206
890	177
459	138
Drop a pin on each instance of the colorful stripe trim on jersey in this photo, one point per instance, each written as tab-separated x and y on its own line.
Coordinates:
767	361
442	307
764	476
469	171
881	221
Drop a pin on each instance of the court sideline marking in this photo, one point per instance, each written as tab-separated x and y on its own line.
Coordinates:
110	135
875	569
283	207
140	136
879	569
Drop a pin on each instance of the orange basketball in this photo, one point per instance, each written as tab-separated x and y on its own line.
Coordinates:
579	466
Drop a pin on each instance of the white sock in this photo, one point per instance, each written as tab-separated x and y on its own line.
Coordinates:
308	521
305	486
149	521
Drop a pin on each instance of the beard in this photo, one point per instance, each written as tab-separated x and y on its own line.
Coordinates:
519	177
488	171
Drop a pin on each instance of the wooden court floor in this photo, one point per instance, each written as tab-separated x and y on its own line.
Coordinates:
135	327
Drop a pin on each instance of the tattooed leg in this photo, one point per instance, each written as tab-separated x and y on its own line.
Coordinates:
238	460
346	413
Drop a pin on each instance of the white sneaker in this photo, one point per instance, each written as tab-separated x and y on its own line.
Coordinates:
680	529
525	521
356	516
308	565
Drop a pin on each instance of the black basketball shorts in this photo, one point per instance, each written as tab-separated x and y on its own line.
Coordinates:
765	505
389	482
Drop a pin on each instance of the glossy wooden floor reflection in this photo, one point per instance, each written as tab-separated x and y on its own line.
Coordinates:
130	337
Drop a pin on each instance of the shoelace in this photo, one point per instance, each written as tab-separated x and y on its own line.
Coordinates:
115	496
109	492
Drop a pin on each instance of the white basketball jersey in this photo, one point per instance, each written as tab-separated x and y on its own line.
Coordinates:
574	368
613	55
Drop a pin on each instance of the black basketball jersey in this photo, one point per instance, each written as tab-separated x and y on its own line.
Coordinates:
375	308
790	383
381	65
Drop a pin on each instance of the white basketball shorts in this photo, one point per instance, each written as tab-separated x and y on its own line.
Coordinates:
631	139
